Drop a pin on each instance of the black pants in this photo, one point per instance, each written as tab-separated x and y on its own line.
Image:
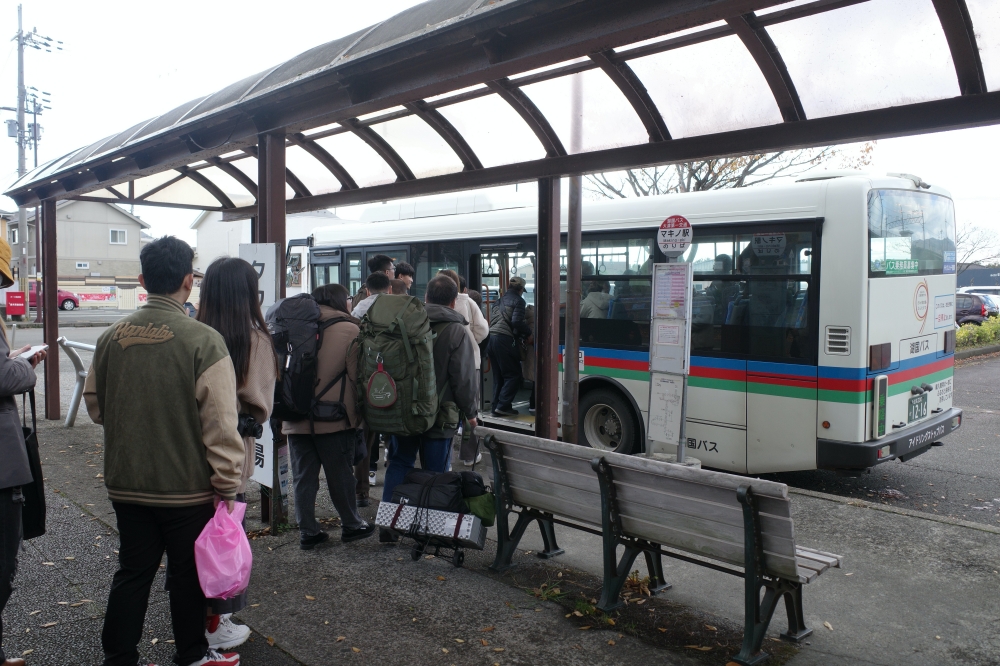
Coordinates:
146	532
10	543
505	357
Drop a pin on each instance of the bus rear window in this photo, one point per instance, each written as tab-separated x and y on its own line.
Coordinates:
910	233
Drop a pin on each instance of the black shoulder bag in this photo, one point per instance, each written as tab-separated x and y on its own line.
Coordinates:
33	511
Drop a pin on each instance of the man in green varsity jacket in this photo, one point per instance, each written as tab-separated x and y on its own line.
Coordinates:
163	386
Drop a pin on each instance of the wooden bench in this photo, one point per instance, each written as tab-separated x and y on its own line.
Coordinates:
733	524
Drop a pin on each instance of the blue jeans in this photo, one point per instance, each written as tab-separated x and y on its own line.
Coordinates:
434	456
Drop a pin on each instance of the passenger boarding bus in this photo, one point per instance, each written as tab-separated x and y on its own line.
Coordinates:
822	333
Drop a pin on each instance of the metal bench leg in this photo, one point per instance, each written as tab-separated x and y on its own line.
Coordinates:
615	573
548	531
797	629
654	565
507	541
758	612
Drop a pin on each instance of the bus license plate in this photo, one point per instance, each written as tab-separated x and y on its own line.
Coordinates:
918	408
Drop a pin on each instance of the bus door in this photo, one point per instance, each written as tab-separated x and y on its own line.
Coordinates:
324	266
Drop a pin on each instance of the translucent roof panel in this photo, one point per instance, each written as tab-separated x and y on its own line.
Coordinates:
986	19
494	131
316	177
360	159
247	165
236	192
422	148
608	120
710	87
872	55
148	183
188	192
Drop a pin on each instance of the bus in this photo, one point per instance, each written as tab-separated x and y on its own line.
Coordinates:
823	316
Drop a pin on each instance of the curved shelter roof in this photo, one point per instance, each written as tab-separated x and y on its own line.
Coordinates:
457	94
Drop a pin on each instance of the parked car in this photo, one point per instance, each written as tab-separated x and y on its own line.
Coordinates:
992	304
67	300
970	309
992	291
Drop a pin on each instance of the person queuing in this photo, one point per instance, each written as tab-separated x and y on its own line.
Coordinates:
333	444
17	375
507	329
379	263
164	387
230	305
455	373
375	285
478	329
405	272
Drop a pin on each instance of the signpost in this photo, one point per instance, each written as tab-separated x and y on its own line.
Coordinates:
271	450
670	341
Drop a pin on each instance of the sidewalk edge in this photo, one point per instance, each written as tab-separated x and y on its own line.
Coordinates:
892	509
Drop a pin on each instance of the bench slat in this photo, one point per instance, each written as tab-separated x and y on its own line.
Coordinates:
812	553
555	475
557	506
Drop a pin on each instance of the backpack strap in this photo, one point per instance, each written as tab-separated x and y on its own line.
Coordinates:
406	338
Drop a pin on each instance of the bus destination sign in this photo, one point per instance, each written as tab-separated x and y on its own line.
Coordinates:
674	236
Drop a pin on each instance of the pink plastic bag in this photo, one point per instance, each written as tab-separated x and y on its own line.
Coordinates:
222	554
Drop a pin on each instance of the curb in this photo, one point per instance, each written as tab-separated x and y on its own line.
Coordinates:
957	522
976	351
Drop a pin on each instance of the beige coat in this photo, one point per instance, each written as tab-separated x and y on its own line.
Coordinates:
338	349
477	327
256	395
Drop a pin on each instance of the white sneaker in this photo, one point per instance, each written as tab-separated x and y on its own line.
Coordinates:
227	635
372	479
469	463
213	658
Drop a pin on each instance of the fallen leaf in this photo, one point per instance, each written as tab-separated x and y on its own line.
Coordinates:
340	639
27	652
662	630
611	642
849	574
459	640
484	642
154	641
310	598
445	650
34	612
326	622
698	647
559	575
516	616
490	628
170	641
498	649
611	622
270	640
428	557
63	603
577	613
254	605
86	601
937	637
538	610
354	649
585	628
711	628
640	602
49	624
76	605
52	564
441	578
828	626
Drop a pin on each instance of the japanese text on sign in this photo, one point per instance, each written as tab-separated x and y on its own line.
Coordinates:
769	245
674	236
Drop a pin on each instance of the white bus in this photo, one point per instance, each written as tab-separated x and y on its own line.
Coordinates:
823	314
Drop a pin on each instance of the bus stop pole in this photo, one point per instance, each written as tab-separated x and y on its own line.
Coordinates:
574	277
50	294
547	310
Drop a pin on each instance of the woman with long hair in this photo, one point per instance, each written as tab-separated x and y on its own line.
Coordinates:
230	305
329	444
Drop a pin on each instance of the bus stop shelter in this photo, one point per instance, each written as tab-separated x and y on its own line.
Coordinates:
459	94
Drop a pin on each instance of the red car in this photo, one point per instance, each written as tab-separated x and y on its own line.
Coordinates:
67	299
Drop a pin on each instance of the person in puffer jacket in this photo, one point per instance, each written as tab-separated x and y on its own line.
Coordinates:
507	329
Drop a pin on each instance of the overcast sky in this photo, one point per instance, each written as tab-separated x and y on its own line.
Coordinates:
124	62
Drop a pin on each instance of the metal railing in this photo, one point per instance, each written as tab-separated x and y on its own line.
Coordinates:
70	348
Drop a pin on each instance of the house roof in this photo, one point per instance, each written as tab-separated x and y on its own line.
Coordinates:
69	202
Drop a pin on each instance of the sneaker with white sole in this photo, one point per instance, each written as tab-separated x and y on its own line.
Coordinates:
470	463
215	658
227	635
372	479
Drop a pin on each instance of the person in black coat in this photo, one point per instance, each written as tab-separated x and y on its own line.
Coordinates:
17	375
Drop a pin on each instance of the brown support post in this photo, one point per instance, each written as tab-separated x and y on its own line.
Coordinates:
547	310
271	197
269	227
574	279
50	295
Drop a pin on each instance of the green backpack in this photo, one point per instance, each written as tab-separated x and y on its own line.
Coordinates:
396	367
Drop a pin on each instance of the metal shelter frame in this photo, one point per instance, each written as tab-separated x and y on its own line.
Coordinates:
425	61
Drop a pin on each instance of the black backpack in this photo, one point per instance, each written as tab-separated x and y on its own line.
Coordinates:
297	334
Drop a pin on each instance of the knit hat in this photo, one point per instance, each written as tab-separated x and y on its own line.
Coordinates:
6	275
517	283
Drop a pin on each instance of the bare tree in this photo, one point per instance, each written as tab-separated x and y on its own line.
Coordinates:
721	173
975	245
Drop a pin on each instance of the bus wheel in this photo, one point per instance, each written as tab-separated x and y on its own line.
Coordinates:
606	421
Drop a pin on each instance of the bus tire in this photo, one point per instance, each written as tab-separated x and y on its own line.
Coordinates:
607	422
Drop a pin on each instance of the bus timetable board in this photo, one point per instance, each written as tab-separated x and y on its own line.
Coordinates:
670	356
